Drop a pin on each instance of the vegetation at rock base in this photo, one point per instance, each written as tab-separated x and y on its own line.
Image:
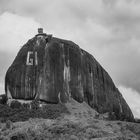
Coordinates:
70	121
18	112
3	99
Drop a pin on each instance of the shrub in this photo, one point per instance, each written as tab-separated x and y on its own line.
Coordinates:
15	105
3	99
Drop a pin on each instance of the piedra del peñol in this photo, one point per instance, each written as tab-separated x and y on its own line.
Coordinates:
54	70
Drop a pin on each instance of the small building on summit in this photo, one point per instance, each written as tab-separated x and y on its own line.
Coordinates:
41	34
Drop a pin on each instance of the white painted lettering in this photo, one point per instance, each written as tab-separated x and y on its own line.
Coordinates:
30	59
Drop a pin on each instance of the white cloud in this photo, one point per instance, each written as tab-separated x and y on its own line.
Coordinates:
15	31
132	97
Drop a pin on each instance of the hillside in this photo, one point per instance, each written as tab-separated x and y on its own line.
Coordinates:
80	122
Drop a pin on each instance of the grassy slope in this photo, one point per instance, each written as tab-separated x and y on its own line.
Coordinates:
57	123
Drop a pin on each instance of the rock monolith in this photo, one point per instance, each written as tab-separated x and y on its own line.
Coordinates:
53	70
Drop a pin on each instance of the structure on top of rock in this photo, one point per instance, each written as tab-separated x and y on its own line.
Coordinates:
40	30
53	70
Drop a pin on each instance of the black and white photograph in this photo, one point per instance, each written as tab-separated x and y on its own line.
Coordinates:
69	69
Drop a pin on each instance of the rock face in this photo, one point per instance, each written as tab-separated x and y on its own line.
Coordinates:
54	70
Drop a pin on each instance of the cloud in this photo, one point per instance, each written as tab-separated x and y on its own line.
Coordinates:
15	31
132	97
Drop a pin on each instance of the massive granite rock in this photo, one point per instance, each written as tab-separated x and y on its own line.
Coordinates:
54	70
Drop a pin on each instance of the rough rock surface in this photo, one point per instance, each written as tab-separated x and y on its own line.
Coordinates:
53	70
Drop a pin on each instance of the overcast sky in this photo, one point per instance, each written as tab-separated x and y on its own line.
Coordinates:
108	29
